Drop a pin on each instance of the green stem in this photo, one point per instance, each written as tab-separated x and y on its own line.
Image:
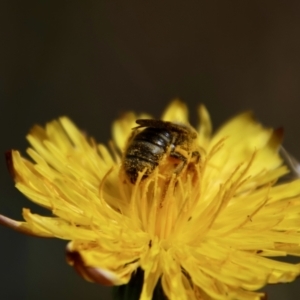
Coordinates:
133	289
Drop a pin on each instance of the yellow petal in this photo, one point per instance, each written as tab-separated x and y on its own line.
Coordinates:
122	128
98	265
152	270
172	280
23	227
57	227
176	112
205	127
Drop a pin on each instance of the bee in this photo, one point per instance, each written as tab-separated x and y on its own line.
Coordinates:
159	139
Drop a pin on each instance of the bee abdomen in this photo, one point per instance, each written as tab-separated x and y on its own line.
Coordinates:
145	152
161	138
141	155
136	163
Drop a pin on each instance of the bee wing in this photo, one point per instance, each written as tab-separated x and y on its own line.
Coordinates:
163	125
291	162
152	123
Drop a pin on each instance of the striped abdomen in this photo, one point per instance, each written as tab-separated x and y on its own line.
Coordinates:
145	151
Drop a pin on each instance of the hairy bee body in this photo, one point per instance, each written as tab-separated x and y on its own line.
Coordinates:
146	148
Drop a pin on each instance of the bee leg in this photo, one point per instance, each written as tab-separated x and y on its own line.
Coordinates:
195	156
181	157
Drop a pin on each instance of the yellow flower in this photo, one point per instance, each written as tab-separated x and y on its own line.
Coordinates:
208	233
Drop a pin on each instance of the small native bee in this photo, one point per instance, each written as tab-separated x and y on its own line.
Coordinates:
147	148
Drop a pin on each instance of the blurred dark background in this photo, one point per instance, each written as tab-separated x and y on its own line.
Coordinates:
92	60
